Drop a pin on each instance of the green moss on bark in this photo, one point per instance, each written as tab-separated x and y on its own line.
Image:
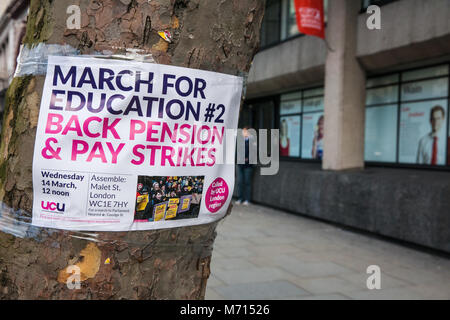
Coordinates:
14	97
40	22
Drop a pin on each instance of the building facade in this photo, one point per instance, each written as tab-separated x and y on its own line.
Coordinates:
363	117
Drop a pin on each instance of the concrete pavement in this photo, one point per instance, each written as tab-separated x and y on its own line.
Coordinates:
262	253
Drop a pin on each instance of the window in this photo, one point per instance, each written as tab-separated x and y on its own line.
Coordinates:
291	103
290	135
301	124
290	124
367	3
290	29
407	117
280	22
270	27
259	114
380	133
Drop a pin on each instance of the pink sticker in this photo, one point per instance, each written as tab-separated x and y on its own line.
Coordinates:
217	195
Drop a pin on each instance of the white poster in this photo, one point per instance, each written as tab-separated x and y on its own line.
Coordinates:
312	135
423	131
124	145
290	136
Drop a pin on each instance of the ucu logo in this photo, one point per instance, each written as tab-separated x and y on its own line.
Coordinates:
53	206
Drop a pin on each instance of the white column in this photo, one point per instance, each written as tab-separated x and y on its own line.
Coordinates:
344	90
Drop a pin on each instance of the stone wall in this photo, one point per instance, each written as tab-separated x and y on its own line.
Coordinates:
405	204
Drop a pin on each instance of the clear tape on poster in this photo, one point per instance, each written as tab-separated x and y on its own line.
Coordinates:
18	224
34	61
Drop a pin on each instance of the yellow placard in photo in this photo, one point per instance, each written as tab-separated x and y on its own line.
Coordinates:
185	203
172	211
160	211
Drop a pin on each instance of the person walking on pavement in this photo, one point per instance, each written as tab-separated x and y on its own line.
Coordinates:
245	172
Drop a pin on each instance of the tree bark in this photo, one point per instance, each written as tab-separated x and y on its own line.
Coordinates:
216	35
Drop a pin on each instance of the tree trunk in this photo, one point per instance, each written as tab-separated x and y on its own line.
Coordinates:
216	35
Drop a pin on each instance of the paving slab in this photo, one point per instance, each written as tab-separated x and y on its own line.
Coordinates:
326	285
263	253
248	275
261	291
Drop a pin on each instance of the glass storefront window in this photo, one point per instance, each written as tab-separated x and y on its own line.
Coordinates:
313	104
291	103
425	89
382	81
297	95
289	107
381	133
291	25
415	128
290	136
301	124
280	21
313	92
312	135
270	27
425	73
380	95
423	132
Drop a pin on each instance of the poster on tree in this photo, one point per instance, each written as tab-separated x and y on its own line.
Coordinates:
117	140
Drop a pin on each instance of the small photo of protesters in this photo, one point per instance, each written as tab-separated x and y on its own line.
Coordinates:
160	198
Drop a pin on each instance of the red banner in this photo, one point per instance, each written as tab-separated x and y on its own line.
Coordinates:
310	19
